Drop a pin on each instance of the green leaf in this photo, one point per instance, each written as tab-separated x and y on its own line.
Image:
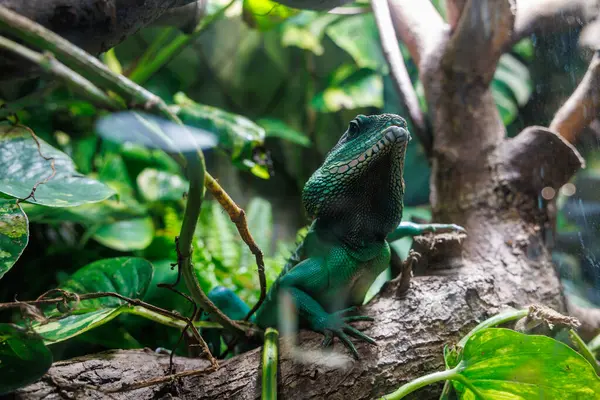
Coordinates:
127	276
239	137
504	364
24	167
524	48
23	358
278	128
350	90
358	36
128	235
158	185
14	234
266	14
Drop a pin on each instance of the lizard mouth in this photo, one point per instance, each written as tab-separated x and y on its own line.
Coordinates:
392	135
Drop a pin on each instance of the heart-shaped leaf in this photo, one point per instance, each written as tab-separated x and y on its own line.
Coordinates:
14	234
23	358
127	276
502	364
28	163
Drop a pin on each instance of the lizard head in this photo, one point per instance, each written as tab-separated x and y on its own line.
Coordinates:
358	190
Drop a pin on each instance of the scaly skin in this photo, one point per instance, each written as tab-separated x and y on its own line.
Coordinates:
355	200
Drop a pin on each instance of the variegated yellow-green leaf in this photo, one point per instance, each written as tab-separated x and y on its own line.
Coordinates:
127	276
76	324
14	234
504	364
24	167
23	357
126	235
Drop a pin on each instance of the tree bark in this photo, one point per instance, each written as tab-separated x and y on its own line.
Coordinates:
480	179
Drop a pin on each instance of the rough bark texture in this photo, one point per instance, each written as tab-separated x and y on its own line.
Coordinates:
480	179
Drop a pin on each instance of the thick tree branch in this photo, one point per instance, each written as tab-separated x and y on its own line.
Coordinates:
545	16
480	36
582	107
418	25
398	72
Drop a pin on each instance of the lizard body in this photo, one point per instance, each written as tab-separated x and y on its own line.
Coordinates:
355	201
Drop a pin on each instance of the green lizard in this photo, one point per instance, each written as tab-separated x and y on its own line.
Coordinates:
355	201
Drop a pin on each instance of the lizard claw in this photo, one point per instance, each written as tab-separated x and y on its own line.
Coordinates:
337	326
446	228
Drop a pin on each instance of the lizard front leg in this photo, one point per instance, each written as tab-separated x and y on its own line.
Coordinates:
304	283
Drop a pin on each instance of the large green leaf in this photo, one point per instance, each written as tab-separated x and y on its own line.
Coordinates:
266	14
239	137
350	89
14	234
504	364
23	358
127	276
127	235
357	35
24	166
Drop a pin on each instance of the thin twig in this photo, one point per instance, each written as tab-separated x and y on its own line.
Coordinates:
399	74
238	217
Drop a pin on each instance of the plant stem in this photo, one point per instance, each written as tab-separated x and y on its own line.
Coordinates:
89	67
72	79
594	344
196	172
498	319
584	350
145	70
270	357
420	382
168	321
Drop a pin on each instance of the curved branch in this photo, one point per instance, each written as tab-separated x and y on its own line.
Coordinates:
582	107
398	72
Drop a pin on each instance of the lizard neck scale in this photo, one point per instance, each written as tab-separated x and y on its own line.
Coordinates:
356	195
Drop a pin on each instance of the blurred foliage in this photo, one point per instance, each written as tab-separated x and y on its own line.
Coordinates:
276	87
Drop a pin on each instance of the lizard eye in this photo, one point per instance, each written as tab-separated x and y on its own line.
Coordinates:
353	128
